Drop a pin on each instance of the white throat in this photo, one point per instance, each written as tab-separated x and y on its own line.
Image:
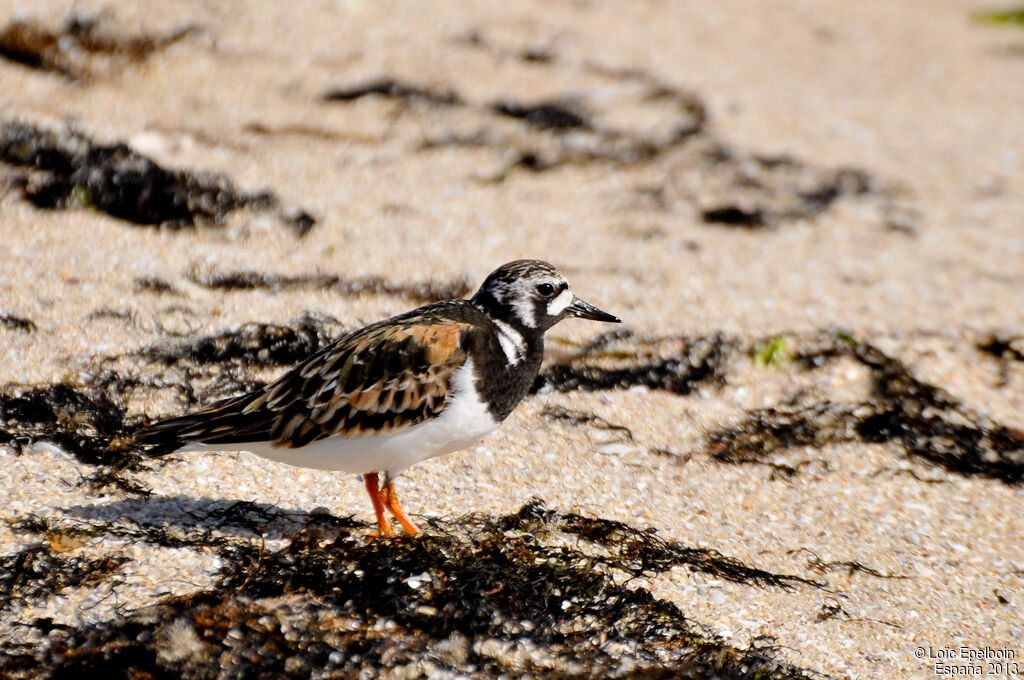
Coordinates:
512	342
524	310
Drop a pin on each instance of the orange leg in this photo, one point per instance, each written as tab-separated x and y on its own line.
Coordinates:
390	499
383	523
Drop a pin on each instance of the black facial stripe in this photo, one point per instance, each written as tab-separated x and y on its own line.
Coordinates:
540	308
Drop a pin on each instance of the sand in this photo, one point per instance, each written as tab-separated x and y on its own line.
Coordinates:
924	261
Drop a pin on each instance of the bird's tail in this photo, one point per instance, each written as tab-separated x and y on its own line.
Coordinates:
226	422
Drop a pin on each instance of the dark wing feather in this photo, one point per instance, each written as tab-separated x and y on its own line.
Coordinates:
386	376
223	423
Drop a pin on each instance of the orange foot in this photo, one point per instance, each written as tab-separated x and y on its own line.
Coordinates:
386	497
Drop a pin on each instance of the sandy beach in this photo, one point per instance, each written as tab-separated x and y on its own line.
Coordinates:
806	213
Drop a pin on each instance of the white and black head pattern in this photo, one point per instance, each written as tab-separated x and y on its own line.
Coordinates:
532	294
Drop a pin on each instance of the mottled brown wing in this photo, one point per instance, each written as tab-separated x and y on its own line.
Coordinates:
386	376
377	380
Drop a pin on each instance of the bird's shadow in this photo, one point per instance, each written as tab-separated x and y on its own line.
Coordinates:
180	520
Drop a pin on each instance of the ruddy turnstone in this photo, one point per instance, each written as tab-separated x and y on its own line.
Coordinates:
417	385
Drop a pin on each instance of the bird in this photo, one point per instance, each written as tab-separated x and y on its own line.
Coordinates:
421	384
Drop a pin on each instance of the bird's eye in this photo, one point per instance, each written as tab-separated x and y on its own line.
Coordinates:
545	289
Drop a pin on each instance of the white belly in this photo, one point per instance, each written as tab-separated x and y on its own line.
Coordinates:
463	423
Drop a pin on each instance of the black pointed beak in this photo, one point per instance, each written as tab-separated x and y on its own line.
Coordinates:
585	310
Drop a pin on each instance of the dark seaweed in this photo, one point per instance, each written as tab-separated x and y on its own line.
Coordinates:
758	191
849	566
534	55
1003	346
127	315
735	216
221	365
725	185
37	572
427	291
572	417
537	55
646	553
925	420
252	344
697	362
475	595
17	323
545	116
393	89
86	421
65	50
546	121
766	431
932	424
832	609
154	284
73	170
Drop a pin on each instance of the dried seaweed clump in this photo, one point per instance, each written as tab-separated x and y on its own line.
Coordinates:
37	572
545	115
621	360
926	420
201	370
490	597
1004	346
932	424
750	191
726	186
252	344
392	89
16	323
541	135
64	169
424	291
84	420
71	48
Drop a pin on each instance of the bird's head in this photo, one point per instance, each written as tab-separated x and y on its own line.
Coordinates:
532	294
